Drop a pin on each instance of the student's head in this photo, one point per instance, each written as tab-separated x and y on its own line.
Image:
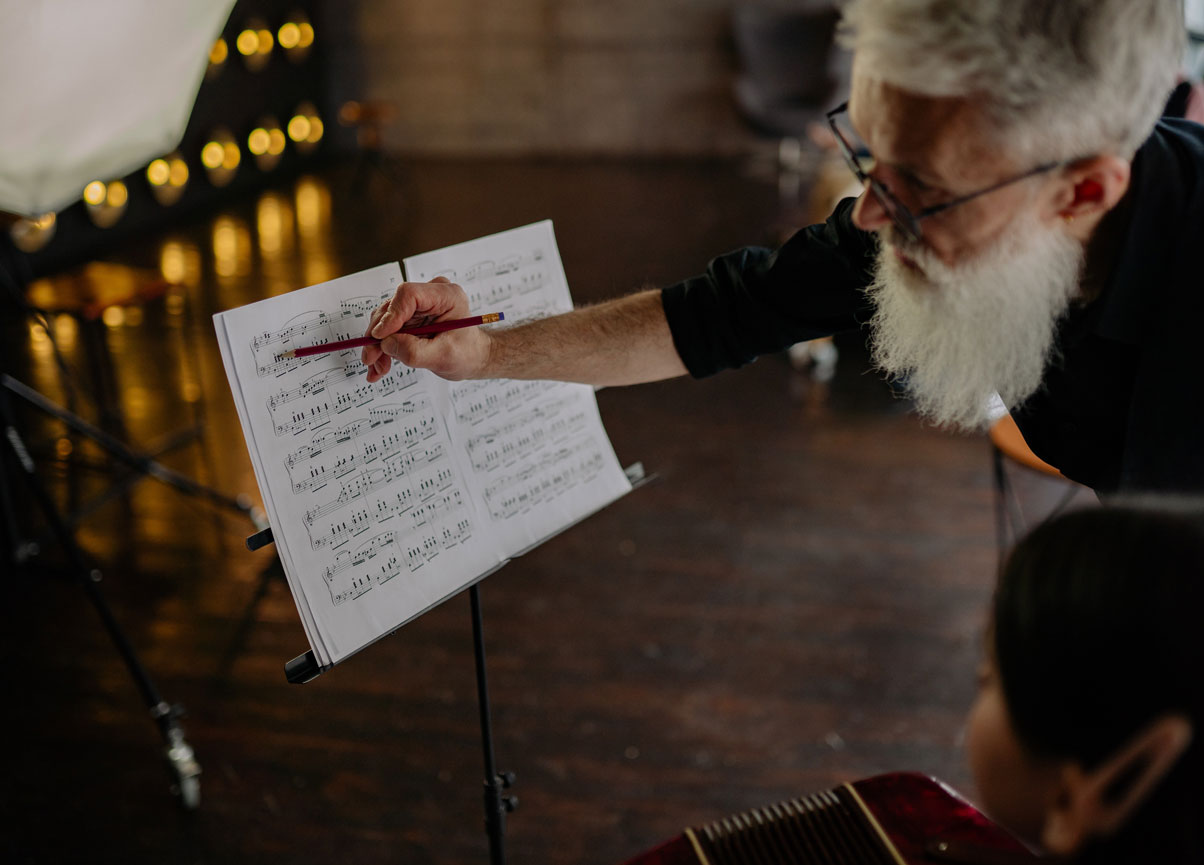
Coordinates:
1086	737
954	97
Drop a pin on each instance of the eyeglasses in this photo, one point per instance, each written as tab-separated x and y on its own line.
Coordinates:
902	218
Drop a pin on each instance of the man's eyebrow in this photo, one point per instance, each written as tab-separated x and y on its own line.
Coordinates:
918	176
913	174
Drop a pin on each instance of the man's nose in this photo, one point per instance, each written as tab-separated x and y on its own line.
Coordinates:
868	212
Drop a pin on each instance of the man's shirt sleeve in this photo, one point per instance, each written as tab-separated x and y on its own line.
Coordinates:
754	301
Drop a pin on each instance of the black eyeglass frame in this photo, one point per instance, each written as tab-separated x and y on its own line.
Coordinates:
903	219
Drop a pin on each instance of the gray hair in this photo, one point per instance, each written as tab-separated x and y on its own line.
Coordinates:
1058	78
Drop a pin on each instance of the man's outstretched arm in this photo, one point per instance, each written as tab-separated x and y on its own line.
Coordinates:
621	341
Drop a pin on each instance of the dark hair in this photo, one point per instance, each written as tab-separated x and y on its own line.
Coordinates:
1099	629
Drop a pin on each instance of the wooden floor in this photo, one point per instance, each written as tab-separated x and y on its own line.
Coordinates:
795	602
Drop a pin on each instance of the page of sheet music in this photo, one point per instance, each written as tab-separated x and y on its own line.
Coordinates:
538	454
387	498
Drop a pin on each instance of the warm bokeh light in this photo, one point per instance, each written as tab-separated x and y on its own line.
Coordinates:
275	230
298	128
39	340
296	36
94	193
117	194
191	391
313	205
171	262
231	248
66	330
106	202
270	214
135	402
231	155
266	143
175	302
257	141
30	235
158	172
41	352
289	35
167	177
63	447
211	154
221	157
113	316
217	56
255	44
248	42
306	128
179	171
180	264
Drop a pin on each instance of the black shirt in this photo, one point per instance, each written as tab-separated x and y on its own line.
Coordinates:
1120	407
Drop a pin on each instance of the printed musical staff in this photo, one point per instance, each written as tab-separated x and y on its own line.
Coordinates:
316	327
314	402
427	473
536	484
525	433
479	401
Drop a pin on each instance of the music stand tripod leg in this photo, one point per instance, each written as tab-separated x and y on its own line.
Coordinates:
180	757
137	461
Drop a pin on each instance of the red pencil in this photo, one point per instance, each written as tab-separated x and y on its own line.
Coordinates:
417	330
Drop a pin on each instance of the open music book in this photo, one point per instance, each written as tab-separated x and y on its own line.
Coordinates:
387	498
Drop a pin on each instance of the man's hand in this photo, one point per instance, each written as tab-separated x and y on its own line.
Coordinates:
453	355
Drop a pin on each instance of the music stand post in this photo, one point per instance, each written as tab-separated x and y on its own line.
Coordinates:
305	668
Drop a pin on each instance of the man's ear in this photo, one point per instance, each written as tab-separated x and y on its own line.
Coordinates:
1098	802
1092	187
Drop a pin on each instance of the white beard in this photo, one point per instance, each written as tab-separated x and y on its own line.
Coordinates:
957	337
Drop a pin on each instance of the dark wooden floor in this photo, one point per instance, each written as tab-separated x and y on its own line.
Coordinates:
795	602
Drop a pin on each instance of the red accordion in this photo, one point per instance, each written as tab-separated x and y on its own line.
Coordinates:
897	819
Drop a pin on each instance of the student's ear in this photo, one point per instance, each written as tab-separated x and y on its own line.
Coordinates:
1097	802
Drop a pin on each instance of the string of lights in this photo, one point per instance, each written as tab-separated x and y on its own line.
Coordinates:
256	107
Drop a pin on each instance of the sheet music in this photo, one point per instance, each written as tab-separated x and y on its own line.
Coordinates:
537	452
387	498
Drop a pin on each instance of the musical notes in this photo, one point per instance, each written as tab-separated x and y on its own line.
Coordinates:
387	498
479	401
425	471
536	484
313	327
316	400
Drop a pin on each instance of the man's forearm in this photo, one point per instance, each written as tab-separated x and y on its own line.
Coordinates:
622	341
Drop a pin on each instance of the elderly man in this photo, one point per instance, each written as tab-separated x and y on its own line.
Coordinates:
1028	233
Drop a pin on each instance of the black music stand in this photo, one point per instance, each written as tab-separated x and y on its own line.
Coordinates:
305	668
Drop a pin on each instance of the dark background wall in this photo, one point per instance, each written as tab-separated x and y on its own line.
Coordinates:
563	77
